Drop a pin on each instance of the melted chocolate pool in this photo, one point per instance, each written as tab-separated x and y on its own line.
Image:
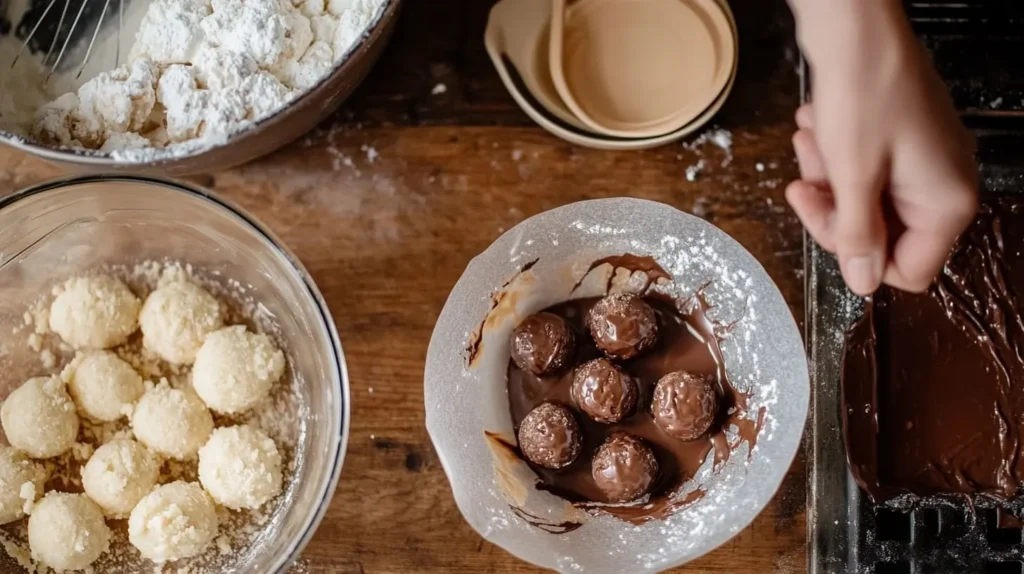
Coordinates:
686	342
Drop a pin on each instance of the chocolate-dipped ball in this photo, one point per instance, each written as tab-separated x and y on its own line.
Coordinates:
684	404
605	393
550	437
622	325
543	344
624	468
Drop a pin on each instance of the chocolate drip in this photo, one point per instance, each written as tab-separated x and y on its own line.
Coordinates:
631	263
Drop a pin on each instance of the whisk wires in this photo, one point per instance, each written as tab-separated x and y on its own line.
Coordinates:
36	27
67	40
92	41
70	34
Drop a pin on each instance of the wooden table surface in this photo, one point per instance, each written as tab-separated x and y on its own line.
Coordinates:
387	201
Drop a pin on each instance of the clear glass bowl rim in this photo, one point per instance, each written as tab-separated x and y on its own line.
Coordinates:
341	380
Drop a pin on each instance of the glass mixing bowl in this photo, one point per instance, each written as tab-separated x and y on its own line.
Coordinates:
67	227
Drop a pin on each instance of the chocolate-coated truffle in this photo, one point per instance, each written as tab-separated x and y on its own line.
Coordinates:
605	393
543	344
622	325
624	468
550	437
684	404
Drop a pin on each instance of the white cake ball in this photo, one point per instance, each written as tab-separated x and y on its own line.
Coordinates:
119	474
39	418
175	320
235	369
240	467
67	532
171	422
94	312
21	483
176	520
102	385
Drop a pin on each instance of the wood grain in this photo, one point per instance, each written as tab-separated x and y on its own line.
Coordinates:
386	238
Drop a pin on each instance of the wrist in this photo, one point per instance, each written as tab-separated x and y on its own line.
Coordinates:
841	29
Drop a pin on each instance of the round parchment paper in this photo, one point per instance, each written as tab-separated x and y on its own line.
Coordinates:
537	264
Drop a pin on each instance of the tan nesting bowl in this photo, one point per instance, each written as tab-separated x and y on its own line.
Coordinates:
615	74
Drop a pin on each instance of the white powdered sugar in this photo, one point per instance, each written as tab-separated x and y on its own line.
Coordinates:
198	72
170	31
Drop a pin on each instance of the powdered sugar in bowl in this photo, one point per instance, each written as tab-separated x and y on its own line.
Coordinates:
175	87
135	229
549	259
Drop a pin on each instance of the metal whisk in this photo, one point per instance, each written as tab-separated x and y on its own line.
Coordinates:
43	33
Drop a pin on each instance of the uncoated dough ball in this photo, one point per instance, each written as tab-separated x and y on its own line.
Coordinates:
118	475
175	320
94	312
240	467
39	418
176	520
171	422
67	532
235	369
21	483
102	385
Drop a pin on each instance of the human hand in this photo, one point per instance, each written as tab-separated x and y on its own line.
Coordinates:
888	180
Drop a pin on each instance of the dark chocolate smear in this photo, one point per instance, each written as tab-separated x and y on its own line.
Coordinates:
933	383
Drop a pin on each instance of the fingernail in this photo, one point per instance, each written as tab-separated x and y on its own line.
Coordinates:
863	273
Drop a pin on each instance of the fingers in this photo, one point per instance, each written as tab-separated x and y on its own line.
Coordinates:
812	165
860	230
917	259
805	117
922	250
815	208
848	221
811	197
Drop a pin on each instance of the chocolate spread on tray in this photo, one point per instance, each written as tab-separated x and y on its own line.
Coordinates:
933	383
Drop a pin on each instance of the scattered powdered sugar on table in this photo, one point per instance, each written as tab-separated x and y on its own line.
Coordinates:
694	170
199	72
241	534
718	137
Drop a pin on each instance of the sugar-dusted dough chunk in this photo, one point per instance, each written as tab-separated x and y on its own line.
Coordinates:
67	532
119	474
39	418
21	483
176	318
102	385
234	369
171	422
94	312
240	467
176	520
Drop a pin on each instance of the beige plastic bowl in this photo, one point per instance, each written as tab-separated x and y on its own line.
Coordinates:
514	58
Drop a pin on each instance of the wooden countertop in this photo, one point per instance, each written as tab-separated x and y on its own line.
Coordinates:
388	200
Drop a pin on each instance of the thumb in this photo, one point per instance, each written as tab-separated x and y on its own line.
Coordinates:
860	231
